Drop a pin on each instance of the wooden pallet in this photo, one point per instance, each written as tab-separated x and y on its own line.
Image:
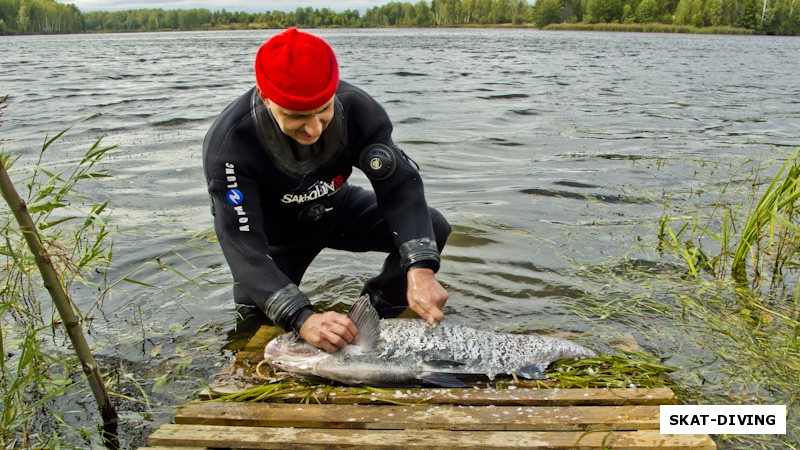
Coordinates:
510	417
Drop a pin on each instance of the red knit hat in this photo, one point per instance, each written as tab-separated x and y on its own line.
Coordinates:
297	71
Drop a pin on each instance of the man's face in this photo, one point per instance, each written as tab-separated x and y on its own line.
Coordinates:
304	127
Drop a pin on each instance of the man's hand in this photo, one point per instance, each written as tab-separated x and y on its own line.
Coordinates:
425	295
329	331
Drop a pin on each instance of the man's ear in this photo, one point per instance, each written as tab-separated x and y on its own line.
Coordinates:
262	96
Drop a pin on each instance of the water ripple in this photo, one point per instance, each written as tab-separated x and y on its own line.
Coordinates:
541	148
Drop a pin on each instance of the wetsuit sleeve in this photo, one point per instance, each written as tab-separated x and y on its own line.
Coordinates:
399	189
237	221
232	169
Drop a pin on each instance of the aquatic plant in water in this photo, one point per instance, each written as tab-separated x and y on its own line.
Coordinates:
737	325
48	243
767	247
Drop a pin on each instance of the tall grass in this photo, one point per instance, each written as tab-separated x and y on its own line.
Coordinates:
735	316
76	238
765	254
771	236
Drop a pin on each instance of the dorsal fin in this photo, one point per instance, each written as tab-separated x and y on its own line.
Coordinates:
366	319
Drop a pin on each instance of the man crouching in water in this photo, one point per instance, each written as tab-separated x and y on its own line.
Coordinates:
277	162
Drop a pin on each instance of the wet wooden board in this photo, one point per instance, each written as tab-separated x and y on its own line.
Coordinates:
501	415
216	436
161	447
420	417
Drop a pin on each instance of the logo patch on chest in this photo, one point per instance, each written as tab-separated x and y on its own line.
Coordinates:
316	191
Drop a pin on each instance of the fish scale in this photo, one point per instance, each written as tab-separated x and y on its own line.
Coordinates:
411	351
476	351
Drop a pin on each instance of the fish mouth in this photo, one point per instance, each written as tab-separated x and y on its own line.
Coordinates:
272	351
294	365
289	345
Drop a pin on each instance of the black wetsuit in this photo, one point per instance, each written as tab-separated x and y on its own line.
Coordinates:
277	204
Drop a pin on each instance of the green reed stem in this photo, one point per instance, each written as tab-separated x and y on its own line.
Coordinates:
63	303
779	197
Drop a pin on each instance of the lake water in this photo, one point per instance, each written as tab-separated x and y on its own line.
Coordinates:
550	153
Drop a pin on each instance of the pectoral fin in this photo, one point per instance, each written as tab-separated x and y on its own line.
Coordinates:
442	379
366	319
531	372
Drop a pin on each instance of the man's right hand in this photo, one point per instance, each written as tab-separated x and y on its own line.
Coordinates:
329	331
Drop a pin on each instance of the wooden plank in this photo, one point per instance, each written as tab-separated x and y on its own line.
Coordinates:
301	438
440	417
172	447
486	396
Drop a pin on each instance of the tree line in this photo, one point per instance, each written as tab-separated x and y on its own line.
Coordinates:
760	16
39	17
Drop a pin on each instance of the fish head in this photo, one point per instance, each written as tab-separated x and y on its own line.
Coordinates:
290	353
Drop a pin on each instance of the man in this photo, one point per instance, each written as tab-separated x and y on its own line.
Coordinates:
277	162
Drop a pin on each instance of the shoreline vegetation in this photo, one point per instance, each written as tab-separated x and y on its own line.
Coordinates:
608	27
646	28
763	17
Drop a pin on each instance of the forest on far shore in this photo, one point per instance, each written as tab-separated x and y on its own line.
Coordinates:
780	17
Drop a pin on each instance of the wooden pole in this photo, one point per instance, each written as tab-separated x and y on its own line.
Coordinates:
64	305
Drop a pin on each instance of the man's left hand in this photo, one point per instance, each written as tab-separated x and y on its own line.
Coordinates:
425	295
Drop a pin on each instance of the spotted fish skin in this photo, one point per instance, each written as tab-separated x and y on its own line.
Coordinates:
400	352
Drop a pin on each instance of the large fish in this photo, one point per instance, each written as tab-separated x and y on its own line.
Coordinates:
401	352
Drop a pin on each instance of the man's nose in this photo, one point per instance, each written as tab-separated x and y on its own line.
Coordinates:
314	126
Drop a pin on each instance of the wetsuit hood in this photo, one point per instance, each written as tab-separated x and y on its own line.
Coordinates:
286	152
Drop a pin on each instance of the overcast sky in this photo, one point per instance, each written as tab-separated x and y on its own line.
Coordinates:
229	5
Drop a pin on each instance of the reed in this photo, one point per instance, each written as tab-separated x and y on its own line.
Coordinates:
49	241
763	253
719	343
771	234
722	305
627	369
